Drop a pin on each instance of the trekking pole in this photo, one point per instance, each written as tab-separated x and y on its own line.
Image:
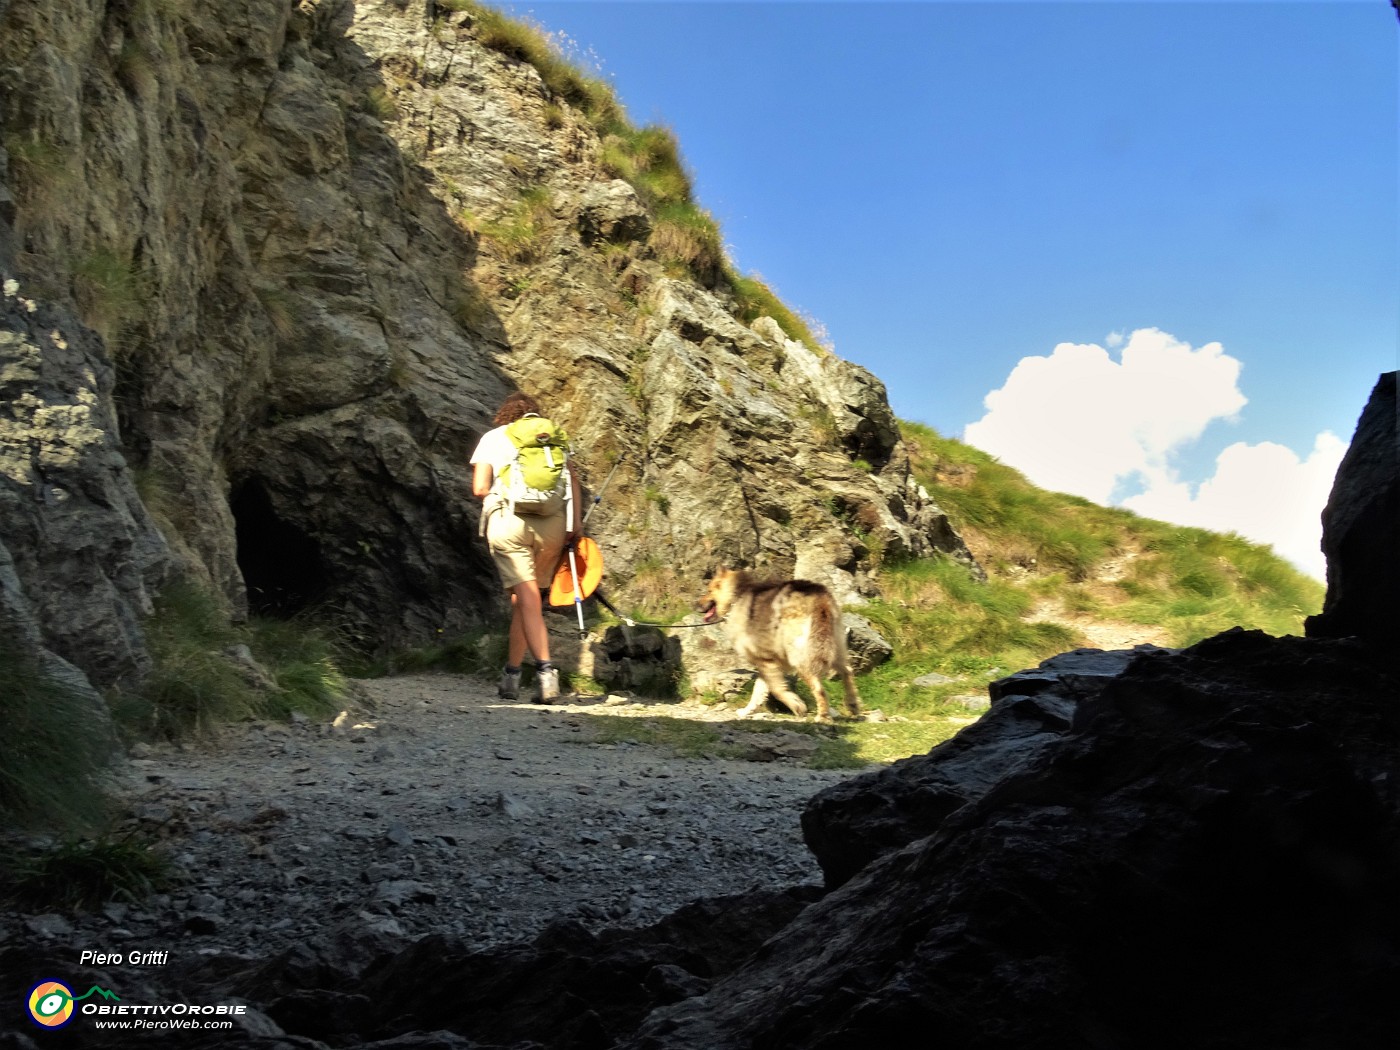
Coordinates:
598	498
578	597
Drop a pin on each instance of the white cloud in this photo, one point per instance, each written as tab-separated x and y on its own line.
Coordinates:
1078	421
1264	492
1081	422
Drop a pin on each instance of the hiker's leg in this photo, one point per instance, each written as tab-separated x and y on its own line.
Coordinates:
538	544
527	630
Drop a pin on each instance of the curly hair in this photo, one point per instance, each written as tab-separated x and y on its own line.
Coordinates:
515	406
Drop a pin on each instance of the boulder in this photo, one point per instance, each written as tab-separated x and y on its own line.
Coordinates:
1202	858
851	824
612	211
865	646
1361	530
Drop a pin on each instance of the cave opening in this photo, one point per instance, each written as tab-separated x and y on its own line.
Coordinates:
282	566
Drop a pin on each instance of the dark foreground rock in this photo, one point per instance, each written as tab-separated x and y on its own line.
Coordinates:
852	823
1207	858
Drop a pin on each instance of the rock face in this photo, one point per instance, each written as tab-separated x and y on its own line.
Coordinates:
1361	530
72	517
300	251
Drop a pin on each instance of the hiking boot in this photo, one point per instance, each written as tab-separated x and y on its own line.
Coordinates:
549	684
509	687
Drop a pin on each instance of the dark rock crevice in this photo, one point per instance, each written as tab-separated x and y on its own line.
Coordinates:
284	572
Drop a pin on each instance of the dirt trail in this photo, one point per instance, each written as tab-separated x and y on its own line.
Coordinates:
444	809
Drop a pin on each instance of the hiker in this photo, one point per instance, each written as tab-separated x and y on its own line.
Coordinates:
525	531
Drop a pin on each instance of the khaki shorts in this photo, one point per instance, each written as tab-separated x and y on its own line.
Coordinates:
525	547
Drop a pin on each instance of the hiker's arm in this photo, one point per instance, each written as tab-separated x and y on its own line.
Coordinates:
482	476
578	506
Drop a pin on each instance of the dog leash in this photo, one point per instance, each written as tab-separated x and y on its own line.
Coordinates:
602	599
668	626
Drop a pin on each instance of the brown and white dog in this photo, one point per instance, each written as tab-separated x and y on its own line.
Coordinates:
788	626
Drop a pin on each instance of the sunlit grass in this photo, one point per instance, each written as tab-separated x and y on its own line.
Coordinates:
1188	582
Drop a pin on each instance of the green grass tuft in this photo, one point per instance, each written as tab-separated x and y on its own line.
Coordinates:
83	874
304	661
755	299
111	293
198	681
52	751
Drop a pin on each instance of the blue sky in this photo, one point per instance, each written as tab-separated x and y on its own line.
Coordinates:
954	190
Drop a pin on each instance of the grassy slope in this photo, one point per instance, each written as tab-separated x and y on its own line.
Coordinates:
1058	568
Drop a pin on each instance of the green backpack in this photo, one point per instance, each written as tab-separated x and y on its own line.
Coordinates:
536	481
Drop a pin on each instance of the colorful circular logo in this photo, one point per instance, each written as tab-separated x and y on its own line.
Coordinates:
51	1004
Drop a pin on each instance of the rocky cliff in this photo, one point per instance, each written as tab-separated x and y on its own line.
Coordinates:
269	267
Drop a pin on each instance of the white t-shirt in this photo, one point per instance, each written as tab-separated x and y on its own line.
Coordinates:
496	449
